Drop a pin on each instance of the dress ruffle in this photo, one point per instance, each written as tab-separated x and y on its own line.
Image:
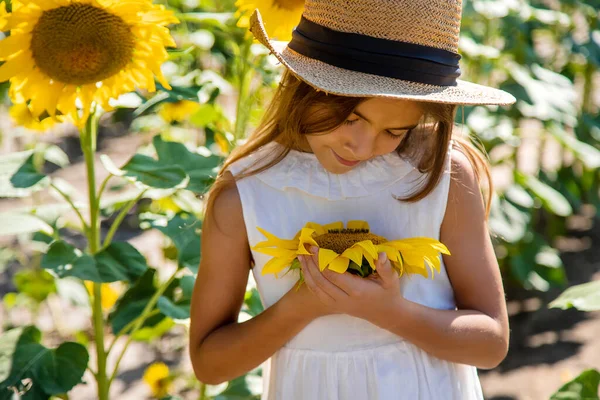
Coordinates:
302	171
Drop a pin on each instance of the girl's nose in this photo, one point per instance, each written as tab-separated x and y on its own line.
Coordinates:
361	145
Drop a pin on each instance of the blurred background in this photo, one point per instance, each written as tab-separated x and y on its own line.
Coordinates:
545	153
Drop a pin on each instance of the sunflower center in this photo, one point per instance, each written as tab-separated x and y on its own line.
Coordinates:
289	4
80	44
340	240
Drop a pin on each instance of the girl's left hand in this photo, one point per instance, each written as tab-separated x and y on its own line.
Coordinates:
351	294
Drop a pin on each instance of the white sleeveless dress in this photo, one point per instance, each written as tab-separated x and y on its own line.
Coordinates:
340	357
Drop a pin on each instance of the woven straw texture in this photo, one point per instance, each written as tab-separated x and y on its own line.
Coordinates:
427	22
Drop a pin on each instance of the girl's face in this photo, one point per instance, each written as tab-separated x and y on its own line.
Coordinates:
376	127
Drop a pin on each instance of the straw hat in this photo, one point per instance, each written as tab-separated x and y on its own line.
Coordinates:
406	49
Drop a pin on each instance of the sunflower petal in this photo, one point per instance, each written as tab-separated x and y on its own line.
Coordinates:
326	257
354	253
318	228
358	224
276	265
392	253
13	44
17	65
306	238
276	252
274	241
339	265
339	225
369	248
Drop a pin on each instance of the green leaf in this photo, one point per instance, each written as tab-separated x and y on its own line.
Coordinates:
149	333
16	223
253	304
200	17
519	196
551	199
507	221
174	310
9	164
175	54
206	114
183	230
584	297
552	95
52	371
132	302
65	260
37	284
584	387
186	283
120	261
587	154
242	388
201	170
153	173
27	175
56	155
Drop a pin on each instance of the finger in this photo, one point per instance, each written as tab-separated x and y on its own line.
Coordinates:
347	282
312	286
315	255
384	268
322	282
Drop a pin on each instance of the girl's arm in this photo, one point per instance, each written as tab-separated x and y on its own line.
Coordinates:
221	348
477	333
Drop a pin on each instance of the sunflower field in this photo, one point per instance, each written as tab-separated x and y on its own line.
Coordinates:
116	116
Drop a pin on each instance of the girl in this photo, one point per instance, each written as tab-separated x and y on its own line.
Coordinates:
361	127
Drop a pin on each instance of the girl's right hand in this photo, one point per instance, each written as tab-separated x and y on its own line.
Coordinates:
306	302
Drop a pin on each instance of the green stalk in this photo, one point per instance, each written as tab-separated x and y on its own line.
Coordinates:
120	217
202	391
588	85
140	321
68	199
88	146
244	80
129	327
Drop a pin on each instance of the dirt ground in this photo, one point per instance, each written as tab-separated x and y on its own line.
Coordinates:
548	347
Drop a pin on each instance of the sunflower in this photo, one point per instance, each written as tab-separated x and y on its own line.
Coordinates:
157	377
354	249
22	116
178	111
64	53
280	16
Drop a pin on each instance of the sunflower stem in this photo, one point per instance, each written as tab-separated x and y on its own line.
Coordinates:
88	146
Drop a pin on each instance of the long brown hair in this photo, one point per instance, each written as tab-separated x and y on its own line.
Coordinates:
299	109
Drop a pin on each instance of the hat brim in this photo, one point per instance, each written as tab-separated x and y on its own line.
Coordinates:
345	82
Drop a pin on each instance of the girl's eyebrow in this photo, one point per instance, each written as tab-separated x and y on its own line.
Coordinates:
391	129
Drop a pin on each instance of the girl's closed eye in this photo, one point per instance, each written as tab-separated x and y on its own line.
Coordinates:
397	136
389	133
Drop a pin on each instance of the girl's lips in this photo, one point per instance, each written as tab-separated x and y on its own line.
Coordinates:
344	161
